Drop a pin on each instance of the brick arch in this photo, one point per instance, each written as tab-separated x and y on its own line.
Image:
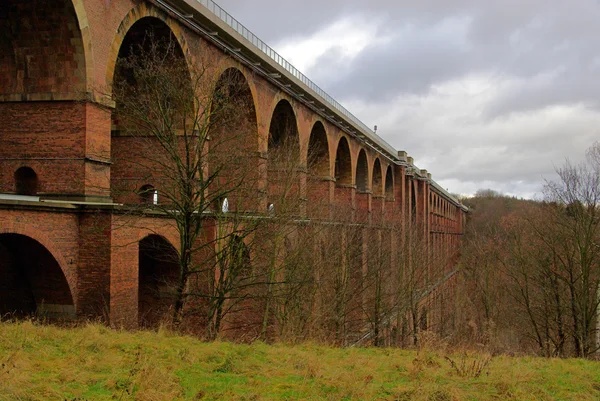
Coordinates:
362	172
389	183
248	85
284	163
86	36
228	63
343	162
158	267
170	236
377	177
318	143
278	101
143	10
234	141
50	46
38	236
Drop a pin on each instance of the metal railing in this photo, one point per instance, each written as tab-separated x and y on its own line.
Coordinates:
273	55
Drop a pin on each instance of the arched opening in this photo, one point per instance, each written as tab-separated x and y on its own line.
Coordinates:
26	181
318	152
147	130
389	183
343	163
319	172
284	159
233	141
31	280
239	263
362	172
362	186
41	48
283	129
158	275
413	202
376	185
343	178
148	195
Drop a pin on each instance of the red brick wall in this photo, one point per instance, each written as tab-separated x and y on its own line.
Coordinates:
93	279
49	137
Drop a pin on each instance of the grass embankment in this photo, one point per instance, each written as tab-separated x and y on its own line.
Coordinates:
95	363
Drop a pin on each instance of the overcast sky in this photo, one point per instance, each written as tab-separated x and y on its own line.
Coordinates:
483	94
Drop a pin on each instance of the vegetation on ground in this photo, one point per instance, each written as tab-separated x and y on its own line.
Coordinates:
93	362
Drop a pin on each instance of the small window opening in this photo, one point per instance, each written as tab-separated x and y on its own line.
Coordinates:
225	205
148	195
26	181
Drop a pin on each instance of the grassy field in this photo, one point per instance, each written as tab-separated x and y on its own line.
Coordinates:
92	362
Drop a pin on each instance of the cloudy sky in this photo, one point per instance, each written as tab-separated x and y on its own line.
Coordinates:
483	94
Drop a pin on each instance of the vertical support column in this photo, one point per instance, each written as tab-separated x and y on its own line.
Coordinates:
97	151
124	278
93	276
302	191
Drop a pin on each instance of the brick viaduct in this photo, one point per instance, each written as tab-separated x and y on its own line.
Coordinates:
58	167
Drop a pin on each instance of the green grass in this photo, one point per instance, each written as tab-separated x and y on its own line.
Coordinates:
92	362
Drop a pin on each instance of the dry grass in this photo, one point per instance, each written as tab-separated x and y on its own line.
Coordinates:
91	362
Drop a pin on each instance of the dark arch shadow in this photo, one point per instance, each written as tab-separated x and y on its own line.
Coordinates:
389	183
233	157
318	152
376	184
158	273
284	160
343	163
26	181
146	128
319	173
362	172
31	280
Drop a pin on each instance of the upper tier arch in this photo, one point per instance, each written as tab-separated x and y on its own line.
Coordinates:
143	10
45	50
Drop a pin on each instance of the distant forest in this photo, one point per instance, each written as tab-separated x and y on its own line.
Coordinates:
531	268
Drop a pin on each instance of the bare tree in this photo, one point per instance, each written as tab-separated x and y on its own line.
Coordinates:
191	127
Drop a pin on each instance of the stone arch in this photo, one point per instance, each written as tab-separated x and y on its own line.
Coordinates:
318	159
158	269
362	172
141	11
343	163
34	276
389	183
30	34
376	181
